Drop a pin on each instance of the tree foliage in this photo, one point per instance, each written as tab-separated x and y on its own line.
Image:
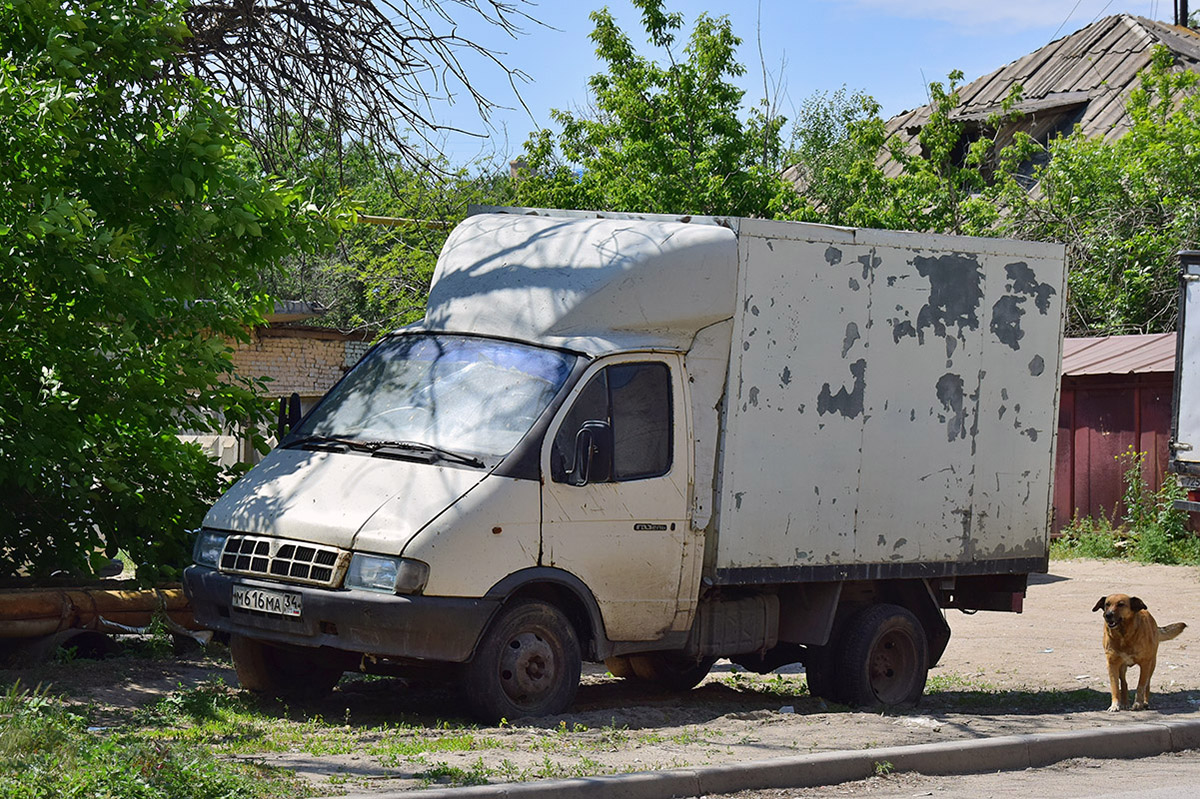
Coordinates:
130	247
835	144
661	138
1123	208
954	180
377	277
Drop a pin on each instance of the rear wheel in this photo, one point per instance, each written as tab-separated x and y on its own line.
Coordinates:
674	671
527	664
287	673
883	658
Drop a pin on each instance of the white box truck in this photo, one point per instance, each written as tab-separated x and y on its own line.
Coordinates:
655	442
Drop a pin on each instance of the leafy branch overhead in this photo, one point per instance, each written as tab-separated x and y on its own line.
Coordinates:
666	138
131	247
1123	208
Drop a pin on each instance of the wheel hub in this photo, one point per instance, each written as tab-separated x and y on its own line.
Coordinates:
892	664
527	668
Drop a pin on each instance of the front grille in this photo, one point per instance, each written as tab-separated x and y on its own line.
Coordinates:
289	561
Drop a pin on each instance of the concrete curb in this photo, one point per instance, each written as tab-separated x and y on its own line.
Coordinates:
971	756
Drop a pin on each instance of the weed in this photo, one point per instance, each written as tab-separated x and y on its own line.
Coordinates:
392	751
66	655
1151	529
883	768
612	736
445	773
159	643
981	697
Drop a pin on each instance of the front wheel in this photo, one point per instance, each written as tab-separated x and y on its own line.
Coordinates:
285	673
883	658
527	663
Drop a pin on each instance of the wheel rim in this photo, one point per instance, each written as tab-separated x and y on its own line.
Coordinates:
892	665
529	669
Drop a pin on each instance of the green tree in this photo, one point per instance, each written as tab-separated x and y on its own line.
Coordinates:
377	277
1123	208
835	145
661	138
949	182
131	242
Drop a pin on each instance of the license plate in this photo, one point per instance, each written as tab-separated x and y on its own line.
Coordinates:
277	603
1189	481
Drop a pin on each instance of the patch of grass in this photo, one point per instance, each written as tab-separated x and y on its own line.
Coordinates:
394	750
942	683
984	698
782	686
1089	537
1150	531
210	713
48	750
548	769
445	774
552	770
610	736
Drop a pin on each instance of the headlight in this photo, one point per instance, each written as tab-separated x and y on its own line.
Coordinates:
391	575
207	551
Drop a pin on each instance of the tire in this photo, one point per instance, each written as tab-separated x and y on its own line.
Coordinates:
285	673
673	671
527	663
882	659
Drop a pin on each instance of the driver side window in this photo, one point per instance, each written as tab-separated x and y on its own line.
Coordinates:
634	400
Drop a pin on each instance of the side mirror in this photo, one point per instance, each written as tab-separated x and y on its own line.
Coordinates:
289	415
593	454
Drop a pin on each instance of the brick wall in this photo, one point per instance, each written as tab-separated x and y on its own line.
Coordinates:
307	361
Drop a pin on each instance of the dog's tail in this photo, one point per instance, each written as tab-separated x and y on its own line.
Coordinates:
1170	631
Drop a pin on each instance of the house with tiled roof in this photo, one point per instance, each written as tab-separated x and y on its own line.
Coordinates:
1082	79
1116	392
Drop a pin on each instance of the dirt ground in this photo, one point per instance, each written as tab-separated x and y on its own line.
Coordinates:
1039	671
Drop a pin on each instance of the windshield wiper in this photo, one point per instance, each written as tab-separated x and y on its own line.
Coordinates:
384	449
404	449
323	442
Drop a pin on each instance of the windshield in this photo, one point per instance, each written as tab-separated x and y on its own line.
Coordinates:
470	395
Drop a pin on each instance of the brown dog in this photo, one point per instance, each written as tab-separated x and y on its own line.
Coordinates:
1131	638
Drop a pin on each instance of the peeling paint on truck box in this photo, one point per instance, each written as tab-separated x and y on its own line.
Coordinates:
917	420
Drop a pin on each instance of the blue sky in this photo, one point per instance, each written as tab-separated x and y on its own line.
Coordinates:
890	49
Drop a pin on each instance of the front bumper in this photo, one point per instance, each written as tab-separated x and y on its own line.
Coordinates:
409	627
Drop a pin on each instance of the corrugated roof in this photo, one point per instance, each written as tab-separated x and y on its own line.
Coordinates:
293	311
1102	60
1119	355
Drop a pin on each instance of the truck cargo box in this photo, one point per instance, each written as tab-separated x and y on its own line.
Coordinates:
892	404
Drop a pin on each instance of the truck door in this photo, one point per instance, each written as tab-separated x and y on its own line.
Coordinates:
615	495
1185	438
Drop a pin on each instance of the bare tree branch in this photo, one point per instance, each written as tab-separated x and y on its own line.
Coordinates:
361	70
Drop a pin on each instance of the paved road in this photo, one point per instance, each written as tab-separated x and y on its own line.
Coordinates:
1173	776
